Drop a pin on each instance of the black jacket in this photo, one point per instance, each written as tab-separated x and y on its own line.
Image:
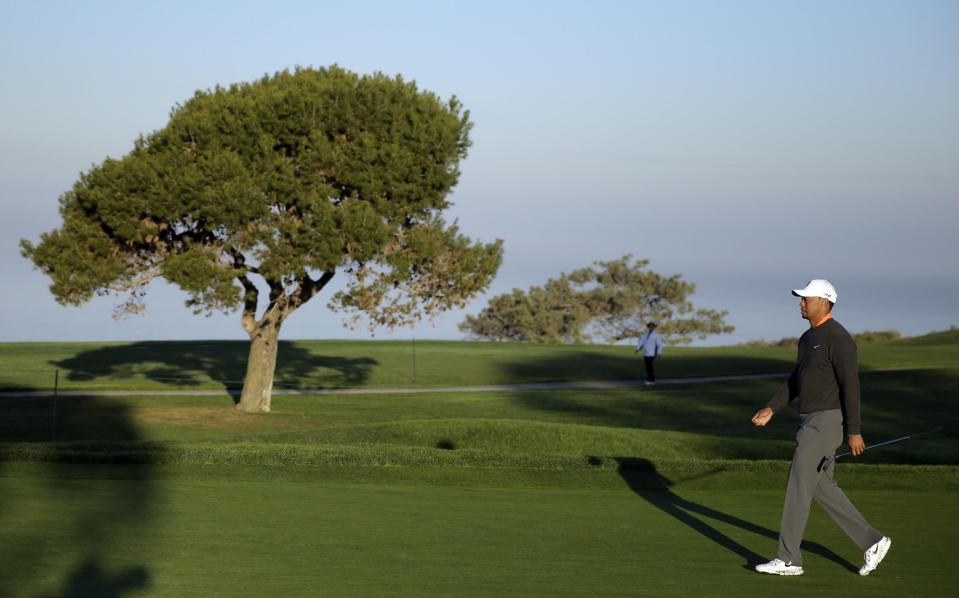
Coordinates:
826	375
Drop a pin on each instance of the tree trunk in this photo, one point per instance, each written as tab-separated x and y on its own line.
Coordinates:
258	384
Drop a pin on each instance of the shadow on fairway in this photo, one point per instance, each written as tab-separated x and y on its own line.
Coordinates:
591	365
662	407
643	479
63	518
896	403
224	362
89	580
712	408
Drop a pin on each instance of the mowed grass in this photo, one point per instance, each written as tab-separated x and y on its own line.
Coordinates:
333	364
237	533
549	493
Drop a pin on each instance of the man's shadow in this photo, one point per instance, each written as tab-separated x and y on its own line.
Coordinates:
643	479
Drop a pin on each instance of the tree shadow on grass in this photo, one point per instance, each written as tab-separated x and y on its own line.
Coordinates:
66	518
895	403
709	407
191	364
643	479
574	365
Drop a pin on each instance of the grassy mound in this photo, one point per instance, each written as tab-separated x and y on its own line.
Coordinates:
704	421
533	437
943	338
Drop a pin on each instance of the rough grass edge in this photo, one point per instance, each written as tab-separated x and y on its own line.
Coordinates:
379	456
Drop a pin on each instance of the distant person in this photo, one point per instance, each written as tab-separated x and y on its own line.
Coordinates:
651	344
825	388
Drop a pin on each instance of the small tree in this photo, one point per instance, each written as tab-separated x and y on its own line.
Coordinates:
289	179
612	301
553	313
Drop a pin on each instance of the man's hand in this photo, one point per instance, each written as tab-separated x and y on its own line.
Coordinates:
856	444
763	416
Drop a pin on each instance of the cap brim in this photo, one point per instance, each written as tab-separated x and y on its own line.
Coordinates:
801	293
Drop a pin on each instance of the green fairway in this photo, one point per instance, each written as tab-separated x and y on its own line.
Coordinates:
325	364
240	533
662	491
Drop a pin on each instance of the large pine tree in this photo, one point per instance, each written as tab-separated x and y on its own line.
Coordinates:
292	179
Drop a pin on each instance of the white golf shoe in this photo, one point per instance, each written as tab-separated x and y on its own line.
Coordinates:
874	555
778	567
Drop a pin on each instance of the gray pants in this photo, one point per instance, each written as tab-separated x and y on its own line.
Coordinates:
818	436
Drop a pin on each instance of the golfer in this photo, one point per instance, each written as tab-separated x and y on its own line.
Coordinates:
651	344
825	388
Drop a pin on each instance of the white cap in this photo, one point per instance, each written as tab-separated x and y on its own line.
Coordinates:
818	287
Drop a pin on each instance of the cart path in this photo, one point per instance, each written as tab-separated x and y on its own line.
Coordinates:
584	385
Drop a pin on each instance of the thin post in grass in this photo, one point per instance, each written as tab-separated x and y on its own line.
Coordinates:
56	389
414	359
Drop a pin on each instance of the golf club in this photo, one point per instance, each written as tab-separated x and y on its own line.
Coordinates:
826	460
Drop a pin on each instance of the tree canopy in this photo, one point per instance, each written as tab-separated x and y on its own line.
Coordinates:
611	301
287	180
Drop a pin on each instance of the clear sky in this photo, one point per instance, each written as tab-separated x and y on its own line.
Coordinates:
749	146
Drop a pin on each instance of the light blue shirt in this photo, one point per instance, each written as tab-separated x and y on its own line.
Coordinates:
651	344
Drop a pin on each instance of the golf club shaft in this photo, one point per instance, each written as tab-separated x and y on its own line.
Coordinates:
875	446
893	441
